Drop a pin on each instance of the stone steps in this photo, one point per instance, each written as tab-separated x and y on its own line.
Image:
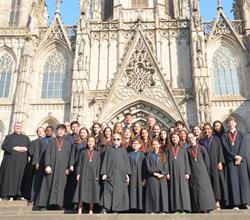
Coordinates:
18	210
42	216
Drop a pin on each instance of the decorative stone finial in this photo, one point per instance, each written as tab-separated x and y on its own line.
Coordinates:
219	5
58	4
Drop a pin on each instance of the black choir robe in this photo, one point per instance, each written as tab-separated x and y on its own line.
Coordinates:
54	184
138	174
215	153
88	189
39	158
178	185
13	166
201	192
116	166
156	197
236	176
30	171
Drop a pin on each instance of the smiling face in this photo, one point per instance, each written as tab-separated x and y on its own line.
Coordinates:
163	135
217	127
108	132
83	134
231	124
74	128
137	128
175	139
91	143
136	145
157	130
18	127
156	146
117	139
207	130
191	139
127	134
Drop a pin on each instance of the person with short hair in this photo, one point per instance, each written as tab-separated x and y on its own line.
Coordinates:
39	162
236	170
15	147
57	163
128	121
115	173
215	152
138	176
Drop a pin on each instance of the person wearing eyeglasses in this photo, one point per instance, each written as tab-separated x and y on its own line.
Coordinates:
115	173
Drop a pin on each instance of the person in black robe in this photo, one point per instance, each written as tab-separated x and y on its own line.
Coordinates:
213	146
39	163
30	169
201	192
57	163
138	176
180	173
15	147
236	170
71	178
115	173
88	171
80	144
156	197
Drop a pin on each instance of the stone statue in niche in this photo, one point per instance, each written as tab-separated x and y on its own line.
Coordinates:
199	51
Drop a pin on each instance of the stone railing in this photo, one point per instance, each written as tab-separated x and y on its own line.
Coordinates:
237	25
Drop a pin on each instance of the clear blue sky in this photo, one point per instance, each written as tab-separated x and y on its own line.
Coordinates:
70	9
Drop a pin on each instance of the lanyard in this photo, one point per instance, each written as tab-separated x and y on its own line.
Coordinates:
195	153
91	155
233	138
175	152
59	145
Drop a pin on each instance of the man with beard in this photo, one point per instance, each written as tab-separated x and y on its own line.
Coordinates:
15	147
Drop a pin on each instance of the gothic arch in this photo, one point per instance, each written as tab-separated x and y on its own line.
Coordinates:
11	53
40	59
8	67
239	55
140	109
48	121
231	44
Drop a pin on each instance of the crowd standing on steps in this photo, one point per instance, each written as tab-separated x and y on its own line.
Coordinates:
128	168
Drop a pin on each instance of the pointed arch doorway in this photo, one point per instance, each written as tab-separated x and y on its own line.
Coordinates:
140	110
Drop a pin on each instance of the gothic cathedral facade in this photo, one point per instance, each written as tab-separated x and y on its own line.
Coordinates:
146	57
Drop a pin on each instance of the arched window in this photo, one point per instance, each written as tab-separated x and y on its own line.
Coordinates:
6	70
54	76
225	73
139	3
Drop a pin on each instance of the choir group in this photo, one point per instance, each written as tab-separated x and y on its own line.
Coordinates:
129	168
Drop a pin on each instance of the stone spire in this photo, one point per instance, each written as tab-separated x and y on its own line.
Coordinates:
219	5
58	4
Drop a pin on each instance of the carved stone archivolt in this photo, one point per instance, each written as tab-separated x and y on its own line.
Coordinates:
140	111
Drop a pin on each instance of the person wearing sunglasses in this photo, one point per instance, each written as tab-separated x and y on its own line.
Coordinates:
115	173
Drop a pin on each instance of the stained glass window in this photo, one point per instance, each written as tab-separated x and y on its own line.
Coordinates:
54	76
225	73
6	69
